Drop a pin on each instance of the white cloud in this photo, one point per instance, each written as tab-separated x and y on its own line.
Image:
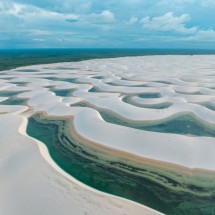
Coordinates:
30	12
168	22
133	20
206	35
105	16
40	22
111	20
202	36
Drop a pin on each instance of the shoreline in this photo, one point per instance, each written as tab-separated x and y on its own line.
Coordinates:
192	176
45	154
208	53
175	161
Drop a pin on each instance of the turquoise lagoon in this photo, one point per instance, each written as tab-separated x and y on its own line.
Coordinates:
160	189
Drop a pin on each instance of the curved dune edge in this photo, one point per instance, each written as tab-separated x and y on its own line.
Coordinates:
109	98
45	154
194	176
90	127
146	160
173	148
181	87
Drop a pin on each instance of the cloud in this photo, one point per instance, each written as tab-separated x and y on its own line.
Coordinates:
25	24
56	22
105	16
29	13
32	14
206	36
133	20
168	22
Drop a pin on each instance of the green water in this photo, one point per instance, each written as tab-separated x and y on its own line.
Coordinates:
119	177
94	90
185	124
70	80
63	93
27	70
149	95
112	175
53	78
163	105
118	84
19	83
63	68
98	77
14	101
163	82
209	106
9	93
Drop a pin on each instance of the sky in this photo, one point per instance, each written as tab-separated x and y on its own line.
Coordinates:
107	24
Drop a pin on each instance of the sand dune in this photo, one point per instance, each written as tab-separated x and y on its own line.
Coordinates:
82	90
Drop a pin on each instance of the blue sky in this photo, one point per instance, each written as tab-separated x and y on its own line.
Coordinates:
107	24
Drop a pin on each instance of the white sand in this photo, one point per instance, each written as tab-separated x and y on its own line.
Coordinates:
30	185
184	81
190	81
